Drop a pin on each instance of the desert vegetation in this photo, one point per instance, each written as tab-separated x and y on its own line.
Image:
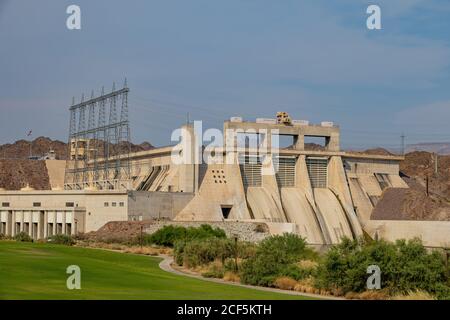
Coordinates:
408	269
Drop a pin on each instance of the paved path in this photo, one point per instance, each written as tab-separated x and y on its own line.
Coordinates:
166	266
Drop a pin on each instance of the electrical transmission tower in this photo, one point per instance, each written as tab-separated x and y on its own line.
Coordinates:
99	151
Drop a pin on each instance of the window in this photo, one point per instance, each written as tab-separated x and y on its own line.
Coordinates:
285	171
317	171
121	204
113	204
313	143
36	204
70	204
251	167
106	204
226	211
5	204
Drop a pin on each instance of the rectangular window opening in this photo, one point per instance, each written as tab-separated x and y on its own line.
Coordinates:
313	143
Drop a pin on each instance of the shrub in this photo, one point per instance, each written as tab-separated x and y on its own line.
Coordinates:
414	295
246	249
169	235
405	266
285	283
205	231
306	285
178	252
231	276
166	236
80	236
200	252
214	271
442	291
4	237
23	237
61	239
276	256
296	272
230	264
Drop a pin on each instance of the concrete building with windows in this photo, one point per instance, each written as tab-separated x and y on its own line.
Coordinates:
42	214
322	194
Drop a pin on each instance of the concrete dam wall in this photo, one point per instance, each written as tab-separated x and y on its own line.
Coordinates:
310	192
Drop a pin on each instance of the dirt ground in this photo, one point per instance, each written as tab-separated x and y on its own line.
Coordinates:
117	231
418	165
410	204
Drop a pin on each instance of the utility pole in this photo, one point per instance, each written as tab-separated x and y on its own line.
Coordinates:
428	185
236	253
402	137
436	164
31	145
141	240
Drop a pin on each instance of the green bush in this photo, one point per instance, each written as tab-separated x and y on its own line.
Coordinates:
5	237
62	239
442	291
246	249
23	237
168	235
276	256
230	264
178	252
296	272
214	272
199	252
405	266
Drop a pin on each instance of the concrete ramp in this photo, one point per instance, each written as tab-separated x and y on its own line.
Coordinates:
262	204
56	169
361	200
300	212
397	181
370	184
333	214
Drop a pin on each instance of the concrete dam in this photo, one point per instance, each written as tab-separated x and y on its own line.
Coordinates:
322	194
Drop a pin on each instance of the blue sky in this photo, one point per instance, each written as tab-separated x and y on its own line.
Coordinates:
216	59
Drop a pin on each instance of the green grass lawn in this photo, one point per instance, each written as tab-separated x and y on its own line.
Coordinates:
38	271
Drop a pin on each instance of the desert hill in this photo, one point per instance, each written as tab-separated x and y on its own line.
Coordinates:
16	170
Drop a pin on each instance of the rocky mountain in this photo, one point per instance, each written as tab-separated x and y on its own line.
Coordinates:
22	149
442	148
17	171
